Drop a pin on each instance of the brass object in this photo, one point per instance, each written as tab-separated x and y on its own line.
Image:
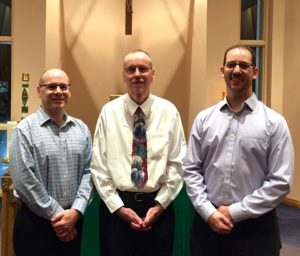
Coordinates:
114	96
10	205
25	95
4	160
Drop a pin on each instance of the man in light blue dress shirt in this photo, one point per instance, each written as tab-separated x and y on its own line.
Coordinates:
238	167
50	156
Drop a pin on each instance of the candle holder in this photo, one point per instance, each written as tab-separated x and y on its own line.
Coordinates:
25	94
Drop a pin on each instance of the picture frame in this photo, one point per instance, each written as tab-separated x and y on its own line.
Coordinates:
3	151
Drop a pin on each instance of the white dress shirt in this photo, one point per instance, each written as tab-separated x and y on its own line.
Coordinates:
112	150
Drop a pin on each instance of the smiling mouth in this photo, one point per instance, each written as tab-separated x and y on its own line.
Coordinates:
236	78
138	83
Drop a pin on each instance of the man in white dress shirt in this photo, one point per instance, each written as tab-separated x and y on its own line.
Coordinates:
137	219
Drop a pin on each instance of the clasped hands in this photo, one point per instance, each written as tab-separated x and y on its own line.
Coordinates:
138	223
220	221
64	224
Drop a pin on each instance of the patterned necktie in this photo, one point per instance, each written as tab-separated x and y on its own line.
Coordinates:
139	174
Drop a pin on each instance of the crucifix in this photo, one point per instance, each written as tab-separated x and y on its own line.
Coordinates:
128	17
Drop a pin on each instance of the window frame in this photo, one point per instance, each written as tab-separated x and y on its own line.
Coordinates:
264	44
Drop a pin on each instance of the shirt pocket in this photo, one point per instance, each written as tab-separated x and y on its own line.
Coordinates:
157	145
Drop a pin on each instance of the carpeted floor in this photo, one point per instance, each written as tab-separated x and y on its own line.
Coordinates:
289	222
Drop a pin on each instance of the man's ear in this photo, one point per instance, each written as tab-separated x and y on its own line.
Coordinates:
256	72
38	91
222	71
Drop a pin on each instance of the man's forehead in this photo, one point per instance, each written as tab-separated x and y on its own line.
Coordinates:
54	74
238	52
137	56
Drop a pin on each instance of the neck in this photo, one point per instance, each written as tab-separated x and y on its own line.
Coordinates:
236	101
59	120
56	116
139	99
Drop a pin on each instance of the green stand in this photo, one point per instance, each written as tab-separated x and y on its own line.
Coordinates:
184	214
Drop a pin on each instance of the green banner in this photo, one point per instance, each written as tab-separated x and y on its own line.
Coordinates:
184	214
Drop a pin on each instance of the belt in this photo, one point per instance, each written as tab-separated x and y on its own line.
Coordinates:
138	197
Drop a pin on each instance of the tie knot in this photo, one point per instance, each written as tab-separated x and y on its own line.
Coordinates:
138	110
139	115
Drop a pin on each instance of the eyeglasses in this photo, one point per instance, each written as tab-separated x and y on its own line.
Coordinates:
53	86
242	64
132	69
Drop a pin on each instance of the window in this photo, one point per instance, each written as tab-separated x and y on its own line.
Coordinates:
251	19
252	34
5	60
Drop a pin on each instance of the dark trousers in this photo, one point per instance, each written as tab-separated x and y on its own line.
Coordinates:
34	236
252	237
117	238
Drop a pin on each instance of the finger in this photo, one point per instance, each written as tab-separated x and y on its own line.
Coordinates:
56	217
135	226
139	228
66	237
225	222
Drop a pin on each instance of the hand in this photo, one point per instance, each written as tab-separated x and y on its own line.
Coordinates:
225	211
69	236
219	223
64	222
130	216
152	214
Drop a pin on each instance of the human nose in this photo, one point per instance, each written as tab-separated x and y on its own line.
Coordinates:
137	71
237	68
58	89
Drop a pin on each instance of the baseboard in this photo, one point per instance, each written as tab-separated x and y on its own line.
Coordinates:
291	202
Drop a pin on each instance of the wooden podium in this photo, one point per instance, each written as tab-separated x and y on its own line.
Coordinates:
9	208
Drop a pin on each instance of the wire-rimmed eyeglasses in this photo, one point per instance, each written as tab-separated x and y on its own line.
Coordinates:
53	86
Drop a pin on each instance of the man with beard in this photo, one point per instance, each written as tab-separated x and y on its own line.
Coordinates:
238	167
137	166
50	156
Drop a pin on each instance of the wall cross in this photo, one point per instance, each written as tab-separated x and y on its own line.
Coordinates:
128	17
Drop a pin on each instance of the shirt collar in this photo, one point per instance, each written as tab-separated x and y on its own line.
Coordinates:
132	106
250	103
44	117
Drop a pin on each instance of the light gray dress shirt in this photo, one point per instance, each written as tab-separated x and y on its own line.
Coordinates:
243	159
50	165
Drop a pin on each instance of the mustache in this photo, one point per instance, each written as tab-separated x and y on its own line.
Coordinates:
138	80
58	97
235	75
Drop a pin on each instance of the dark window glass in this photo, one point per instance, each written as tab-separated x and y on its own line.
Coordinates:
5	17
251	19
257	82
5	81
